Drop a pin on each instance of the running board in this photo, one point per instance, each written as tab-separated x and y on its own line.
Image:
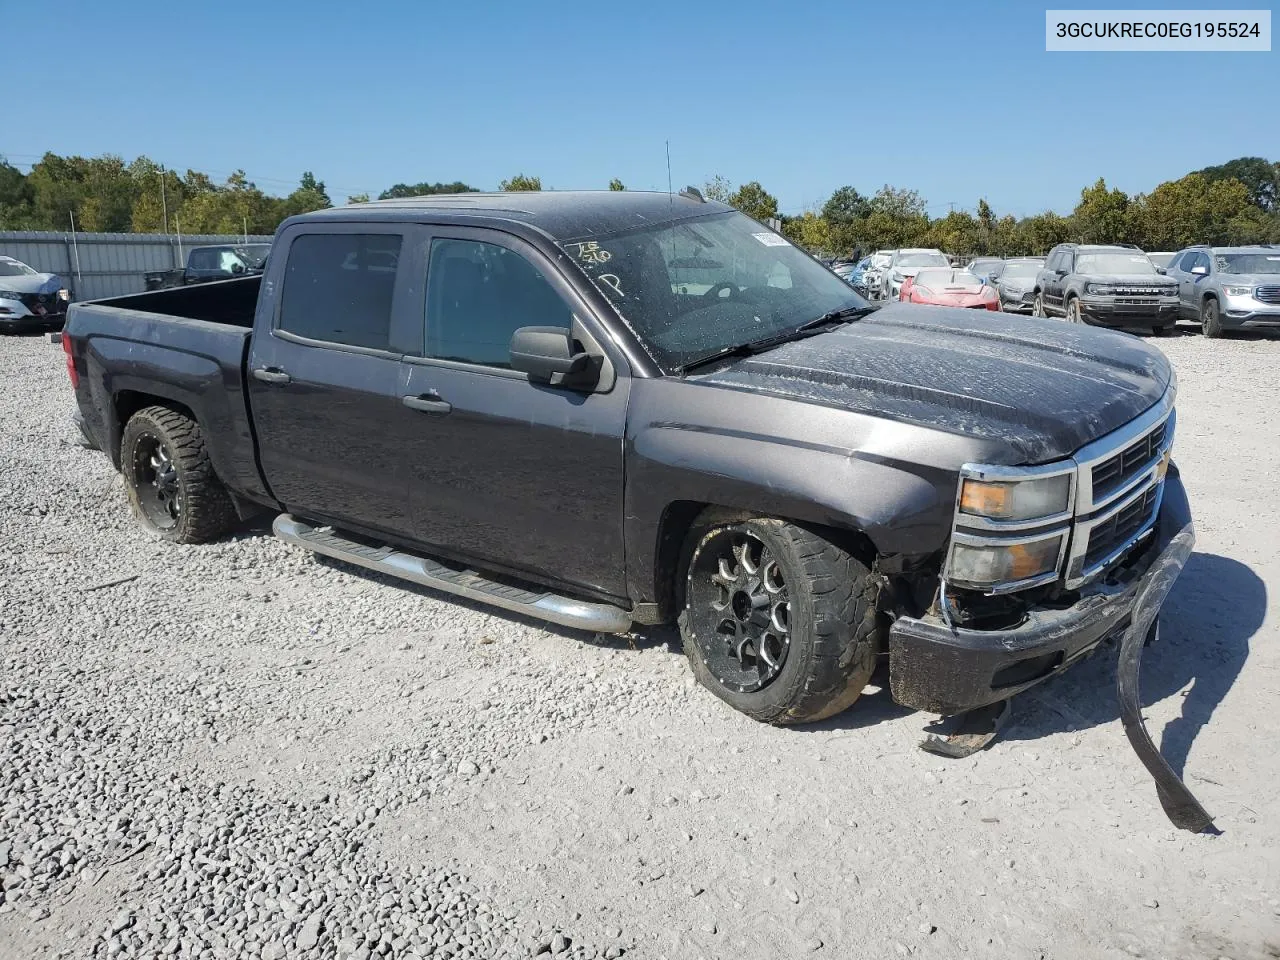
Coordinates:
579	614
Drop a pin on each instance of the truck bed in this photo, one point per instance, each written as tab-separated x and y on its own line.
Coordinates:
187	347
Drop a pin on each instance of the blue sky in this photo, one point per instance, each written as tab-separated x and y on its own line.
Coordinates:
955	100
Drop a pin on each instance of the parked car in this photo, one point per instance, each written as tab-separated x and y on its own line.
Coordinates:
218	262
1160	260
874	275
906	263
1114	286
30	300
1016	283
1228	288
986	268
858	277
949	287
527	413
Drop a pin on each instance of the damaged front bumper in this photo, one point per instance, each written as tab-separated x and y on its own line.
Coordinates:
951	670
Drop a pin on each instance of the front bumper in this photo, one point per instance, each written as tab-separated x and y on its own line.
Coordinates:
18	316
1244	312
1108	313
1020	304
950	670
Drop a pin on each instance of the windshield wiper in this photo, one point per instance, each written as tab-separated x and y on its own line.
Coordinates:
842	315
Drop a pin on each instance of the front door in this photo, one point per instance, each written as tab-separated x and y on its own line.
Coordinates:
324	381
511	473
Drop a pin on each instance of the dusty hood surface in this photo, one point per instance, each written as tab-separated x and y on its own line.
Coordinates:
1044	387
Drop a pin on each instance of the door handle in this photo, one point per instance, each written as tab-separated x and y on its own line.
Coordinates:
427	402
271	375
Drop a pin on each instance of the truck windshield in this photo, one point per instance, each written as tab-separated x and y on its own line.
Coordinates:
1248	262
1109	264
698	286
255	254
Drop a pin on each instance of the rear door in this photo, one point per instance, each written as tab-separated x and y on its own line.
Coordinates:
324	375
510	473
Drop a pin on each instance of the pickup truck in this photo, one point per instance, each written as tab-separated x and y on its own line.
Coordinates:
205	264
517	399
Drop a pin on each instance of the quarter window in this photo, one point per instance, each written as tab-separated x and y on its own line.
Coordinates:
338	287
478	295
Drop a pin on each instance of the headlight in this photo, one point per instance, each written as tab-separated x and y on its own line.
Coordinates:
1099	288
988	564
897	277
9	295
64	294
1011	290
1232	290
1030	499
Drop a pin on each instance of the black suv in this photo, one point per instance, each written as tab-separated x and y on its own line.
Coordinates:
1112	286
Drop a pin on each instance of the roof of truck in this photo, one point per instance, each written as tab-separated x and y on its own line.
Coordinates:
562	214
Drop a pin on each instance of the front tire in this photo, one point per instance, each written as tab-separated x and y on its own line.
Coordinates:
1037	308
779	622
170	480
1211	318
1073	311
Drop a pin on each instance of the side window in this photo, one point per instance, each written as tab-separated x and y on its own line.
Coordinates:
227	261
478	295
1176	262
337	288
1052	263
203	260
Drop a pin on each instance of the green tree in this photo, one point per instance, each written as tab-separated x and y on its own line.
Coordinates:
402	190
957	232
718	189
755	201
616	184
1195	209
310	195
16	199
1041	232
809	231
845	214
520	182
1260	177
1103	216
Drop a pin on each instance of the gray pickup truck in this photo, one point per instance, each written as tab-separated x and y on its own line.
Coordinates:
519	399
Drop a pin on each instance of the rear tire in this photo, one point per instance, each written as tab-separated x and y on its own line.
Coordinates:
172	487
779	622
1211	318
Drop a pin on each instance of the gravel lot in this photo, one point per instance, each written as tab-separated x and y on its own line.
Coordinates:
243	751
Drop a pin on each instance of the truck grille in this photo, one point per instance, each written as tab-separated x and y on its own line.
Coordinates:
1113	533
1269	294
1111	474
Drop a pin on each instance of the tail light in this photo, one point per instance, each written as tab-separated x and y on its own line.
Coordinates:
71	362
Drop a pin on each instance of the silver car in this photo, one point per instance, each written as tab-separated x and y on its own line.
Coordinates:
1017	283
1228	288
907	263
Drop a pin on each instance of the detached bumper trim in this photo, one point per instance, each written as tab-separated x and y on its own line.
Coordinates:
950	670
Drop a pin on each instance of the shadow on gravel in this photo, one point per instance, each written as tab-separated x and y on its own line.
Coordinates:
1215	608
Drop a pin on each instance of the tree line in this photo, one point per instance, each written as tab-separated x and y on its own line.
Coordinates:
1235	202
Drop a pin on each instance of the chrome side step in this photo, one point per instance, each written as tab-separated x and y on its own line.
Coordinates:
579	614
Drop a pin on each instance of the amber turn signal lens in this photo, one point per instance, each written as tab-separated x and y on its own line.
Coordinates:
985	499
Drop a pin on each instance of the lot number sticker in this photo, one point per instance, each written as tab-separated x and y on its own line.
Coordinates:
771	240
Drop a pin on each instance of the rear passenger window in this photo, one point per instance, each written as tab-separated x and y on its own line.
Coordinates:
478	295
338	286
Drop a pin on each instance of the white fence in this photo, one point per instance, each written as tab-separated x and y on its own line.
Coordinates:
97	265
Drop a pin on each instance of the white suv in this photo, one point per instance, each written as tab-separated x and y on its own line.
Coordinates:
907	263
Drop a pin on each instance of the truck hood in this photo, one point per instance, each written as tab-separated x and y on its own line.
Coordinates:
1043	388
40	283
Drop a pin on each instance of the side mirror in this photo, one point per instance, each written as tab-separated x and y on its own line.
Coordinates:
1161	270
547	355
1059	273
1200	271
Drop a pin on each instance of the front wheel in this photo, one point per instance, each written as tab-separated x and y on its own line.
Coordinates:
1073	311
170	480
1210	318
1037	308
778	622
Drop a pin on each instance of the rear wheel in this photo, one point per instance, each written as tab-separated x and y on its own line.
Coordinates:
171	484
1210	318
778	622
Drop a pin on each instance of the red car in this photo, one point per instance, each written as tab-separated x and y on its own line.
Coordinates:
946	287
